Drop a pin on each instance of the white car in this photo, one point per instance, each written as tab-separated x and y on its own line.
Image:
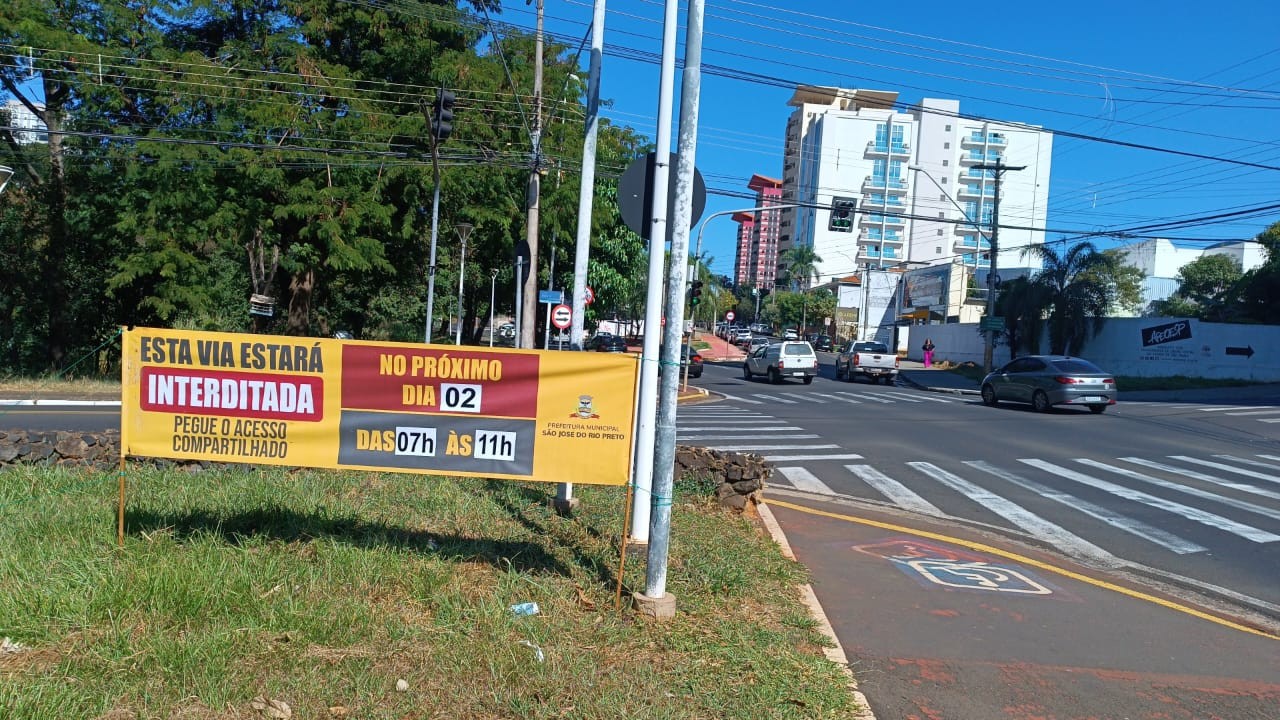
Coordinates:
790	334
778	361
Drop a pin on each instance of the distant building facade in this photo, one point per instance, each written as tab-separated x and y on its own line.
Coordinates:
1161	260
27	128
880	186
756	261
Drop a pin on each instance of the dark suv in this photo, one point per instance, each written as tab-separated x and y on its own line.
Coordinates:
820	342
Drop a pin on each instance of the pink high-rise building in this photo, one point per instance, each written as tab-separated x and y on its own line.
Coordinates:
757	256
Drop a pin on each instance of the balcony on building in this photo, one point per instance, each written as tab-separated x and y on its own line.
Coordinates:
877	148
977	157
875	218
977	137
881	183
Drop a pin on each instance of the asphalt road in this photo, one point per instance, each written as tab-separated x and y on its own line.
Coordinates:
987	563
984	563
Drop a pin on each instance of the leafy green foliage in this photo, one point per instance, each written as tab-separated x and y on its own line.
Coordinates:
288	137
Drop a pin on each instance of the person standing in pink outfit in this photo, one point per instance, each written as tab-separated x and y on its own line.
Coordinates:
928	352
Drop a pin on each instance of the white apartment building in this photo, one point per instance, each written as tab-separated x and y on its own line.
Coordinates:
1160	262
28	128
884	186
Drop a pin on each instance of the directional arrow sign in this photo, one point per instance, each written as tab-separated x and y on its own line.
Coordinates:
1246	351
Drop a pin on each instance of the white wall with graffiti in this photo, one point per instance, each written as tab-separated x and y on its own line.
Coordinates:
1142	347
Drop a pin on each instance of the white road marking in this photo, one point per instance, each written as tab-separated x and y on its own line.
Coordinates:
863	396
1201	516
1169	541
774	398
735	398
902	396
1228	468
1271	411
1187	489
1051	533
802	458
804	480
814	399
768	436
902	496
746	448
736	428
1233	407
1247	461
919	398
1269	420
840	397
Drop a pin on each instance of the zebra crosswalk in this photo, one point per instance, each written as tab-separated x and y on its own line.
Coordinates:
1184	504
790	397
1260	413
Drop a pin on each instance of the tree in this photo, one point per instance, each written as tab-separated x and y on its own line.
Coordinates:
1256	292
1075	298
800	265
1124	281
1022	303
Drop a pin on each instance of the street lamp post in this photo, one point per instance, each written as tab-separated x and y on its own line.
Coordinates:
493	286
464	231
999	169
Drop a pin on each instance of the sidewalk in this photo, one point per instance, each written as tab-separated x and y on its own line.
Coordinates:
914	373
721	350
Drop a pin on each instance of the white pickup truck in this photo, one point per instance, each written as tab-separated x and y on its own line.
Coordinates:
871	360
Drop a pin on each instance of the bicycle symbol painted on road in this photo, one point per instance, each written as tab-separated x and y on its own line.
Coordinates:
974	576
940	566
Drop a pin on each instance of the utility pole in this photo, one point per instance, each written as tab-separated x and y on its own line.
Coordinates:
999	169
655	600
530	284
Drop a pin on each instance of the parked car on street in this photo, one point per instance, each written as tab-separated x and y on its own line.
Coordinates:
821	343
782	360
790	334
742	338
1048	380
608	343
691	359
871	360
756	342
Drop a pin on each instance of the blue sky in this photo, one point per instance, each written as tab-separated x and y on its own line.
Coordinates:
1203	80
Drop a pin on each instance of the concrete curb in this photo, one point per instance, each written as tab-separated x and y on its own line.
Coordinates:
52	403
835	652
930	388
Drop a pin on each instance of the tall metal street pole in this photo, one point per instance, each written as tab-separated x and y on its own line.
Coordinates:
530	289
464	231
656	600
586	191
864	315
999	170
564	502
551	285
435	224
493	294
646	413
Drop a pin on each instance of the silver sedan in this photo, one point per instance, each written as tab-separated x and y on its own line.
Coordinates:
1049	380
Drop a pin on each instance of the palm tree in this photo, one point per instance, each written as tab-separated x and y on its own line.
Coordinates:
1022	304
801	265
1075	299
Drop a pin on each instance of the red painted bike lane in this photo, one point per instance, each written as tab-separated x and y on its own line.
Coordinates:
945	623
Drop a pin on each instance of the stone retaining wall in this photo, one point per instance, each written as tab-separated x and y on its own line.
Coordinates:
740	477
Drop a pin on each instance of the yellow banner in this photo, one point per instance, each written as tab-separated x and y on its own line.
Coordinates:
490	412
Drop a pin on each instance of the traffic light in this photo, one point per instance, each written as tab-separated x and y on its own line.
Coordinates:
695	292
442	115
842	214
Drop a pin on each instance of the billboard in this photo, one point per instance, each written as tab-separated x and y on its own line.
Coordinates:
344	404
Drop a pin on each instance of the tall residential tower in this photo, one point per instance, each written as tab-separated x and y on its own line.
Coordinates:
880	183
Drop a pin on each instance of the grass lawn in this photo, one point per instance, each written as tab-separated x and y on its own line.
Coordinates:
372	595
